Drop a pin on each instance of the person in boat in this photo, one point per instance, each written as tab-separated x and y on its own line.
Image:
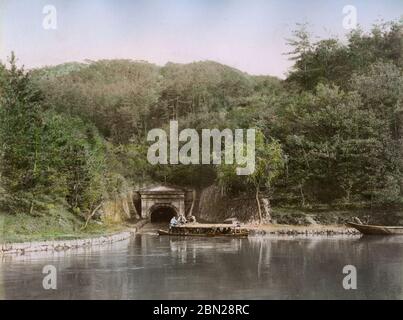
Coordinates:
182	220
173	222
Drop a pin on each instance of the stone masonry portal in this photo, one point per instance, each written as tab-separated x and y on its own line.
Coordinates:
157	199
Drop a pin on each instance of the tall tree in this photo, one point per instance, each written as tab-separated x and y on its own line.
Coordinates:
21	123
269	163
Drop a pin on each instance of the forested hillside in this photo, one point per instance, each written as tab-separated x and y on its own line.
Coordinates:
331	133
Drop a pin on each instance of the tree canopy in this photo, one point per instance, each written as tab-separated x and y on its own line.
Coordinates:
330	133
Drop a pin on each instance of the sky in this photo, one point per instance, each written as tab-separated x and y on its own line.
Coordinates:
246	34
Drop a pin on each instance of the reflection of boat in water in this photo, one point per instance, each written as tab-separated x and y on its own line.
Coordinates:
205	230
376	230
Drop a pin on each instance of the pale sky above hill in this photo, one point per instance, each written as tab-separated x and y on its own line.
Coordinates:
248	35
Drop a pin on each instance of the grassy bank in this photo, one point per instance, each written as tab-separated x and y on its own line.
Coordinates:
58	225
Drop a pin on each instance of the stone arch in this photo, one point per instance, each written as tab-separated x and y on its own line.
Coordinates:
162	212
156	198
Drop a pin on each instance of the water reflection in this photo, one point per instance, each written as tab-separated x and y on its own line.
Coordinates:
152	267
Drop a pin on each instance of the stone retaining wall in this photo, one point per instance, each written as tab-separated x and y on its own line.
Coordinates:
58	245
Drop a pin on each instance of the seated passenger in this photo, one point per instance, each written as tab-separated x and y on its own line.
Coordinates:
182	219
173	222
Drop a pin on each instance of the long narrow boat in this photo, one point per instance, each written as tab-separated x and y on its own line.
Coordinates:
206	230
376	230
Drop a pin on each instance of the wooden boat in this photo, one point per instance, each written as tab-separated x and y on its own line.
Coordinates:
205	230
376	230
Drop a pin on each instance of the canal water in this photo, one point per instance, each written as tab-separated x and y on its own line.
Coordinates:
152	267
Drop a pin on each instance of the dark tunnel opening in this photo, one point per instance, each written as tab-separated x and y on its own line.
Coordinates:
162	214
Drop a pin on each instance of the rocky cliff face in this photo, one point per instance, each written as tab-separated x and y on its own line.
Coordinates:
120	208
215	207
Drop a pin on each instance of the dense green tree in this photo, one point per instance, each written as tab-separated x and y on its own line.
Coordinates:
269	163
45	157
20	134
335	148
332	61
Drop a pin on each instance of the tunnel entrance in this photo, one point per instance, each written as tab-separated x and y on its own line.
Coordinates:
162	214
162	202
